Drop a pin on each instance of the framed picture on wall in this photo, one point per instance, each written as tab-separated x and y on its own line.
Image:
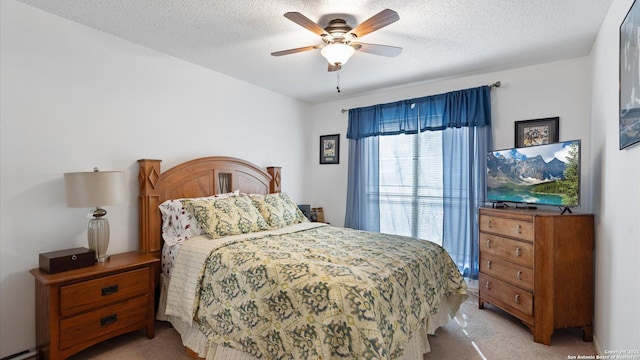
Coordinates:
630	78
537	132
330	149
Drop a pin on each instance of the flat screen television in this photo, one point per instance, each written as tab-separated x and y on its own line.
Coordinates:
546	174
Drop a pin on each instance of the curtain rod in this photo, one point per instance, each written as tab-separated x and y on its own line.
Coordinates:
495	84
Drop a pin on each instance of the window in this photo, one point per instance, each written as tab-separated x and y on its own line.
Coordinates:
416	168
411	185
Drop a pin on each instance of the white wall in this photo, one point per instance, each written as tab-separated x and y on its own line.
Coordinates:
556	89
616	189
74	98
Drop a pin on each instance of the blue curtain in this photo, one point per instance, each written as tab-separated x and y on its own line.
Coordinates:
462	108
464	117
363	202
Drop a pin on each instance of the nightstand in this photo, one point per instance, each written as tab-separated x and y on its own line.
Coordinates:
79	308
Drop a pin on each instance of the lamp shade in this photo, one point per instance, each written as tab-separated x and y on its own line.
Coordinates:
93	189
337	53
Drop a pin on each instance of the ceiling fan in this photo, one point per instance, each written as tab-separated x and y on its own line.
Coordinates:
339	39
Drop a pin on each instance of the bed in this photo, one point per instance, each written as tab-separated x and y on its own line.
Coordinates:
270	284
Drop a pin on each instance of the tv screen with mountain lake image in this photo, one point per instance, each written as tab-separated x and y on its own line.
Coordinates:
543	175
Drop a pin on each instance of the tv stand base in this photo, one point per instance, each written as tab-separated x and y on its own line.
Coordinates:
566	209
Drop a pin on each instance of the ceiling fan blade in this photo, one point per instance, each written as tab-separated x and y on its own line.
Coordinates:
377	21
377	49
296	50
305	22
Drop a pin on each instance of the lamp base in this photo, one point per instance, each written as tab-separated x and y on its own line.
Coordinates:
103	259
98	236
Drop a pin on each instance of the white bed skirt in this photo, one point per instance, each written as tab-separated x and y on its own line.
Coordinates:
197	342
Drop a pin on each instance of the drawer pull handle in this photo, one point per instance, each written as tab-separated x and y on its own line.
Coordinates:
109	319
109	290
489	264
488	285
489	223
519	275
489	244
517	298
518	252
519	229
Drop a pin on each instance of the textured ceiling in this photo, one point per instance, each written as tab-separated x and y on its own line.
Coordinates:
440	38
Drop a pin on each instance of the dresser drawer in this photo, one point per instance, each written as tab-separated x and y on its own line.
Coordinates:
514	274
519	252
103	291
507	296
520	229
102	321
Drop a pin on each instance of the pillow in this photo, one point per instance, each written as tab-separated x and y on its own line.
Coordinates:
278	209
223	217
178	224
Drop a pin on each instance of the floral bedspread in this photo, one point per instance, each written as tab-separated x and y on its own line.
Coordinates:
323	293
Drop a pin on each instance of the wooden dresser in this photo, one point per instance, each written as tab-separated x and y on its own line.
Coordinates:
538	266
79	308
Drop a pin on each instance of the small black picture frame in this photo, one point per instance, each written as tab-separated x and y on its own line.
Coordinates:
330	149
537	132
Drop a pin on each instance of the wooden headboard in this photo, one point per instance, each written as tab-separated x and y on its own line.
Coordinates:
196	178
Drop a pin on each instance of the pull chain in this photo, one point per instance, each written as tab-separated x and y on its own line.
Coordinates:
338	80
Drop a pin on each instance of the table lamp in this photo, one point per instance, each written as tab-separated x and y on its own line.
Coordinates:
96	189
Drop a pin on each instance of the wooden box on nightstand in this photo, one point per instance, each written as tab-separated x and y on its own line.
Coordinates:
79	308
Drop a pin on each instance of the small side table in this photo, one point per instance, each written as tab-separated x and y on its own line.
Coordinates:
79	308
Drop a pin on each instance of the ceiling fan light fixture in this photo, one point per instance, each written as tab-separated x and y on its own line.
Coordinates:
337	53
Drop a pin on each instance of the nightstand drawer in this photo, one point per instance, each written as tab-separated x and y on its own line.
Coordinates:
508	227
103	321
519	252
103	291
514	274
